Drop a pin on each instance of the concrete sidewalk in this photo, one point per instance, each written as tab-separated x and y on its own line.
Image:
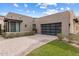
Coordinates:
23	45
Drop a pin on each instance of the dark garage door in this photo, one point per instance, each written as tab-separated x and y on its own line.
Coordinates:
51	29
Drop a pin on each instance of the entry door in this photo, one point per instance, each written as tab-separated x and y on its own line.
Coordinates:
51	29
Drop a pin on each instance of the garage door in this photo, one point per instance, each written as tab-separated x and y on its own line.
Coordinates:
51	29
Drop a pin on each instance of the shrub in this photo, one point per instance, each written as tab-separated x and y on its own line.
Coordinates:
34	30
60	36
16	34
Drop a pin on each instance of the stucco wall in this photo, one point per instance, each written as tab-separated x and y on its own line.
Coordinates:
2	22
63	17
28	21
76	27
72	23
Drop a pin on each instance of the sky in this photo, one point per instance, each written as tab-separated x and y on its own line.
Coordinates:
37	9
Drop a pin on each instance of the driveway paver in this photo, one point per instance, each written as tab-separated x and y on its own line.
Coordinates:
23	45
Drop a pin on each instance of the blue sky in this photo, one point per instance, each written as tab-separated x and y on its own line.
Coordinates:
37	9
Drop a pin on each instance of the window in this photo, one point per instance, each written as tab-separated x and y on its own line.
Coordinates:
15	26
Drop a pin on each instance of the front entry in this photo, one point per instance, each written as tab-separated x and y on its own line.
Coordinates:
51	29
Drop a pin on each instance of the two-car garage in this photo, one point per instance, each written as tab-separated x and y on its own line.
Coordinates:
51	28
56	23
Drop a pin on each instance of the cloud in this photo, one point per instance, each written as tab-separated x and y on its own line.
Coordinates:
67	8
62	8
3	13
49	12
54	4
27	11
25	5
45	5
33	12
19	10
16	5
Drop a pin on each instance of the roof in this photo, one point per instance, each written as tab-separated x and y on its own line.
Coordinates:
39	17
18	14
57	13
12	20
2	16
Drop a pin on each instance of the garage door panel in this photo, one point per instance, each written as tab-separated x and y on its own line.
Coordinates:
51	29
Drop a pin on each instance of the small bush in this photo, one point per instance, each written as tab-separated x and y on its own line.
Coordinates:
60	36
16	34
34	30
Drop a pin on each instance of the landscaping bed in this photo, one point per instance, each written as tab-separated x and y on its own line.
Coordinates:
16	34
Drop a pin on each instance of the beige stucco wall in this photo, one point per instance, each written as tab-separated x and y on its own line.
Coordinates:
26	21
63	17
72	23
76	27
2	22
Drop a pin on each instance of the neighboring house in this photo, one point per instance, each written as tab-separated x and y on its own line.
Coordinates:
65	22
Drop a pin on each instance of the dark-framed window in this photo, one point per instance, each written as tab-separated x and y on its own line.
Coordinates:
15	26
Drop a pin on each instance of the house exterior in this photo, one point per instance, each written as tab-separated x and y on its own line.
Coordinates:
65	22
17	23
56	23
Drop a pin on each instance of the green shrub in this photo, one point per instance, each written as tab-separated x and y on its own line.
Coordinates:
60	36
34	30
16	34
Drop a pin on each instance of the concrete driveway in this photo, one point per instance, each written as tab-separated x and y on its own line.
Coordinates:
23	45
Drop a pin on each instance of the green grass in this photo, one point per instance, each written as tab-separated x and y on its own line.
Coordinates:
55	48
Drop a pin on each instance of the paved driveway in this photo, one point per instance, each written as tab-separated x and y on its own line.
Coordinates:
23	45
